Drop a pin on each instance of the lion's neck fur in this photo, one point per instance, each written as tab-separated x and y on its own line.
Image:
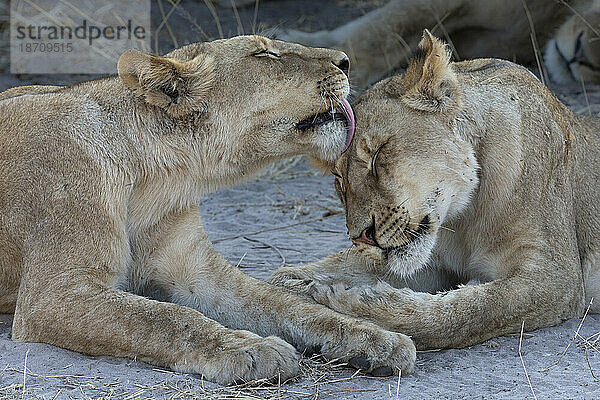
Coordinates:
160	164
528	145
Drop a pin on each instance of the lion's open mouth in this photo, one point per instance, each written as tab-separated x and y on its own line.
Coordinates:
343	112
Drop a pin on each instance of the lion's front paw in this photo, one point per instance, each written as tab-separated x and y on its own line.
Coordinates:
270	358
249	357
377	351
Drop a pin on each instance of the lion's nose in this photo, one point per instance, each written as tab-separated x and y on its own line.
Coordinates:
367	237
343	64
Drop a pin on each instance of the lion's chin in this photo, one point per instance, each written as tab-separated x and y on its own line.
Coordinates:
330	140
404	261
333	131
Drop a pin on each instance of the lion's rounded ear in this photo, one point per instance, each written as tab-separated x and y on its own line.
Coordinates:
429	83
178	87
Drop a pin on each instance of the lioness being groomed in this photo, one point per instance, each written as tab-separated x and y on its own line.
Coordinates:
102	250
463	172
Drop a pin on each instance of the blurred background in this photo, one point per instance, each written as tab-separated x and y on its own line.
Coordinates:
175	23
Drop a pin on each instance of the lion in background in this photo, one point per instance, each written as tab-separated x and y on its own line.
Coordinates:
463	172
102	249
380	41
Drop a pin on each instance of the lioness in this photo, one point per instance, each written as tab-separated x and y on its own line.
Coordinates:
98	216
459	172
380	41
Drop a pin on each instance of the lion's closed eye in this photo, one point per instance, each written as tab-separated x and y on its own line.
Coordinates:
267	53
374	161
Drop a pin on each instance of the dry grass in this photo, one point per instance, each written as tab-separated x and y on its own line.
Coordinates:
587	100
213	12
277	228
165	23
440	25
587	343
572	340
537	52
523	362
315	379
255	15
11	392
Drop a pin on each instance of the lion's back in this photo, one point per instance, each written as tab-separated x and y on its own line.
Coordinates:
28	90
482	70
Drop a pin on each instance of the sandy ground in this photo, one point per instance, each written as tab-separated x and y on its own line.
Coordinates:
294	217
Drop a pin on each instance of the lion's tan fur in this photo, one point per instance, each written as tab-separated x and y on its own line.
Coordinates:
506	177
102	249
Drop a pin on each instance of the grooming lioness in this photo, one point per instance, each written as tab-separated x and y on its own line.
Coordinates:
467	171
98	216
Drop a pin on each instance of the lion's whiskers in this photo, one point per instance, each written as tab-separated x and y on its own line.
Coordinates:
332	108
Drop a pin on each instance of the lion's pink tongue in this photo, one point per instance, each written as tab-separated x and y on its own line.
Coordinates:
344	107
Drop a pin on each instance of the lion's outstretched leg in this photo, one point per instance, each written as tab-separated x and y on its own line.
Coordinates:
460	317
73	304
349	269
187	270
456	316
381	40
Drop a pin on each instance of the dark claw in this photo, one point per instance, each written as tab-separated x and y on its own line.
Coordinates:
360	363
382	371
